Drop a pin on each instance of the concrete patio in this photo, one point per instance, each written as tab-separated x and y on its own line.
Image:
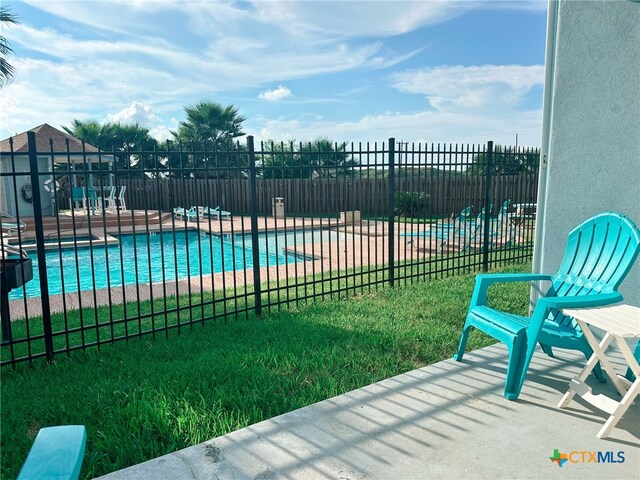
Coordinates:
447	420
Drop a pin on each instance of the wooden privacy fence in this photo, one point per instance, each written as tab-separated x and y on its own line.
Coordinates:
327	196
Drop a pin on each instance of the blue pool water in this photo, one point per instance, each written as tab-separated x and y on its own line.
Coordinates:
441	231
281	241
142	259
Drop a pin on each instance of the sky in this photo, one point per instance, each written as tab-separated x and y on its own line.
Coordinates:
356	71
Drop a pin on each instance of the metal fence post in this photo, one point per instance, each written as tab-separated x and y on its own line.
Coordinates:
42	260
253	199
391	179
487	202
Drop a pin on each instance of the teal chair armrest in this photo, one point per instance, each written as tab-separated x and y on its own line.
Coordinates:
581	301
485	280
546	304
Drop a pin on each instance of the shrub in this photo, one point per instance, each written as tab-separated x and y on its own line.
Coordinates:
410	204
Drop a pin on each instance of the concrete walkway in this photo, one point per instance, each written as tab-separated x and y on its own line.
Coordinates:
447	420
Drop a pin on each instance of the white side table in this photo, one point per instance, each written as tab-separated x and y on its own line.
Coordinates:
620	322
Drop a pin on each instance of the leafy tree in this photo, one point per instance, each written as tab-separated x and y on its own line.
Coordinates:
210	122
320	158
7	70
137	146
209	133
92	132
282	160
506	161
328	159
131	145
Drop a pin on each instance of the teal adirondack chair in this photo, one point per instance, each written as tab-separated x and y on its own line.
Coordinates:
598	255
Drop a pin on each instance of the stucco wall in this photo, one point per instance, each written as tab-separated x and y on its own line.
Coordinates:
594	152
22	176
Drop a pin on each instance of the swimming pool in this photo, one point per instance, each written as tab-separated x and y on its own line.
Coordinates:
144	258
441	231
280	241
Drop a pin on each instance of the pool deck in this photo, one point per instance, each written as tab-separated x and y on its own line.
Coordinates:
349	251
448	420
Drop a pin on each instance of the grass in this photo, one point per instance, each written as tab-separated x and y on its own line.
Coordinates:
144	398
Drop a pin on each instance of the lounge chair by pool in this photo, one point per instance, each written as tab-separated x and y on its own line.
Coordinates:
180	213
121	198
11	224
441	234
213	212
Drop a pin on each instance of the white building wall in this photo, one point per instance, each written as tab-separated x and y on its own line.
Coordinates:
594	149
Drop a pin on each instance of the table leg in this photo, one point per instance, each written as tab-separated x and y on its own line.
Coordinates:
622	407
631	394
566	399
604	361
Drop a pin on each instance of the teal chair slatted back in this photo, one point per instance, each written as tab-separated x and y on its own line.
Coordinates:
505	208
490	209
77	194
465	214
599	254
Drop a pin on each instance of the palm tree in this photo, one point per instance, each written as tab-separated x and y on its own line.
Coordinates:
327	158
131	145
211	129
6	69
92	132
210	122
137	146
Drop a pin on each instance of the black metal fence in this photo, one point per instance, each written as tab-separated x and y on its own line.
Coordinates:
124	243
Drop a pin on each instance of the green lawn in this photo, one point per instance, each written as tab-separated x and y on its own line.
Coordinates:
144	398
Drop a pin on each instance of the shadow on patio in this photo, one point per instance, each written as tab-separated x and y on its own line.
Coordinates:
447	420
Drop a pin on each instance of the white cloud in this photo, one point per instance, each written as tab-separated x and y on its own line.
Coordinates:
357	18
121	17
302	18
416	127
134	113
44	91
161	133
68	48
275	95
217	65
348	19
469	104
456	88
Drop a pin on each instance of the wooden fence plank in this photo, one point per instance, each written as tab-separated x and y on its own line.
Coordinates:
449	194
